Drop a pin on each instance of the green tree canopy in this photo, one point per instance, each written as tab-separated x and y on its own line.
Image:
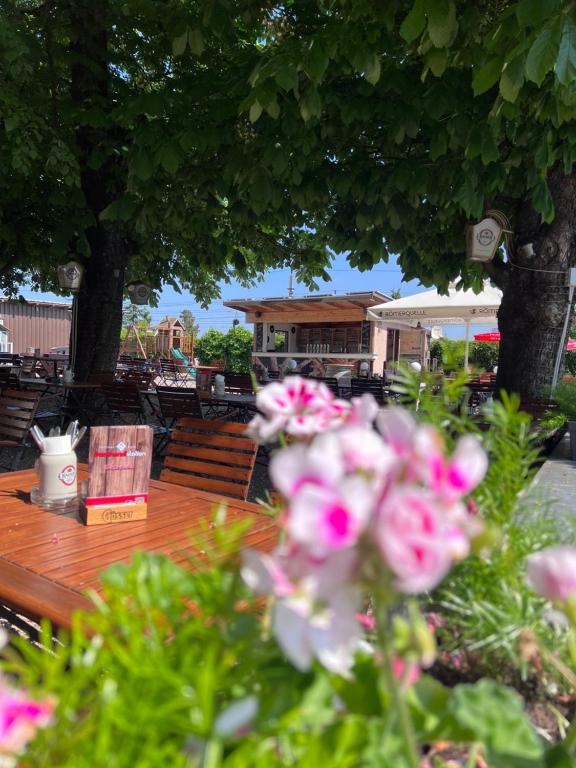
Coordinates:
133	314
121	146
401	121
189	322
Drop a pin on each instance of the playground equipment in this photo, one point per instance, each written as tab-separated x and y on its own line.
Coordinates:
150	340
184	361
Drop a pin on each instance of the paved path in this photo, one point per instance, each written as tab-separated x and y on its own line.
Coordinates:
554	486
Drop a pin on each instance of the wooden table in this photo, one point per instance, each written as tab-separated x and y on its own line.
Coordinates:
48	559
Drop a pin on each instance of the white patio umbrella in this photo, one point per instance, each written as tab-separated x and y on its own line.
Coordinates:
432	308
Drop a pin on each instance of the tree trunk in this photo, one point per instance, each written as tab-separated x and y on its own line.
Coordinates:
535	294
99	313
109	248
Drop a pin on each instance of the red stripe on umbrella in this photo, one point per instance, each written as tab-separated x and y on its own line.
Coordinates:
494	336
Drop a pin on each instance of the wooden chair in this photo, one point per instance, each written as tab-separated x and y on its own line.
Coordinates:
17	413
213	456
123	400
9	377
174	403
374	387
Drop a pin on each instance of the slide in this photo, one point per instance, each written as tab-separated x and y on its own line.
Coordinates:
177	354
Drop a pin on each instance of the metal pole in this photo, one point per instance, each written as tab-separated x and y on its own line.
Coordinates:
72	350
556	373
467	346
291	285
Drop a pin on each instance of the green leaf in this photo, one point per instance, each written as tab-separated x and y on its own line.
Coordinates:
316	61
542	201
495	715
542	54
179	43
438	145
437	60
255	111
169	158
413	25
373	70
512	79
469	195
260	190
196	41
310	104
142	165
442	23
273	109
566	63
120	209
287	77
490	152
532	13
487	76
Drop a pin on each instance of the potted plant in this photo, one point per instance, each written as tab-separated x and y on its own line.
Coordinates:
565	396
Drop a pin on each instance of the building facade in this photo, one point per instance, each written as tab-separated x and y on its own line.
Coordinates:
35	325
331	330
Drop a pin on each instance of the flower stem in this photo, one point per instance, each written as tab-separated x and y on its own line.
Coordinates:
570	738
398	701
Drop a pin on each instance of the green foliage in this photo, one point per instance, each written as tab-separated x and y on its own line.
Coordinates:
239	345
234	347
482	355
134	314
565	396
210	346
145	679
485	599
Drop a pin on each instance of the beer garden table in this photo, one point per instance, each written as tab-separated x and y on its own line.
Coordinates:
49	559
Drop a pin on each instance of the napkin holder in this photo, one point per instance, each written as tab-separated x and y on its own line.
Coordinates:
120	459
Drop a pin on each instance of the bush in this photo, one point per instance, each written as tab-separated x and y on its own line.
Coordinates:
234	347
565	396
449	353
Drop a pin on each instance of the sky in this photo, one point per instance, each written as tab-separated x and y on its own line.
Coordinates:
383	277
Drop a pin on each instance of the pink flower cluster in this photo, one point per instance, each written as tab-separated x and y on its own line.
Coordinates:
20	715
303	407
552	573
20	718
358	501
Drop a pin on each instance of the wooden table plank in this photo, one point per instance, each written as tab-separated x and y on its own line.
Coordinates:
48	559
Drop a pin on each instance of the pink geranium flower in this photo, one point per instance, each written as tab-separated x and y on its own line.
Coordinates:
316	605
298	406
298	465
20	718
327	519
328	632
453	477
398	428
415	539
552	573
364	411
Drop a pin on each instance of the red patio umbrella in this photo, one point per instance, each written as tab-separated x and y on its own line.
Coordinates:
494	336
